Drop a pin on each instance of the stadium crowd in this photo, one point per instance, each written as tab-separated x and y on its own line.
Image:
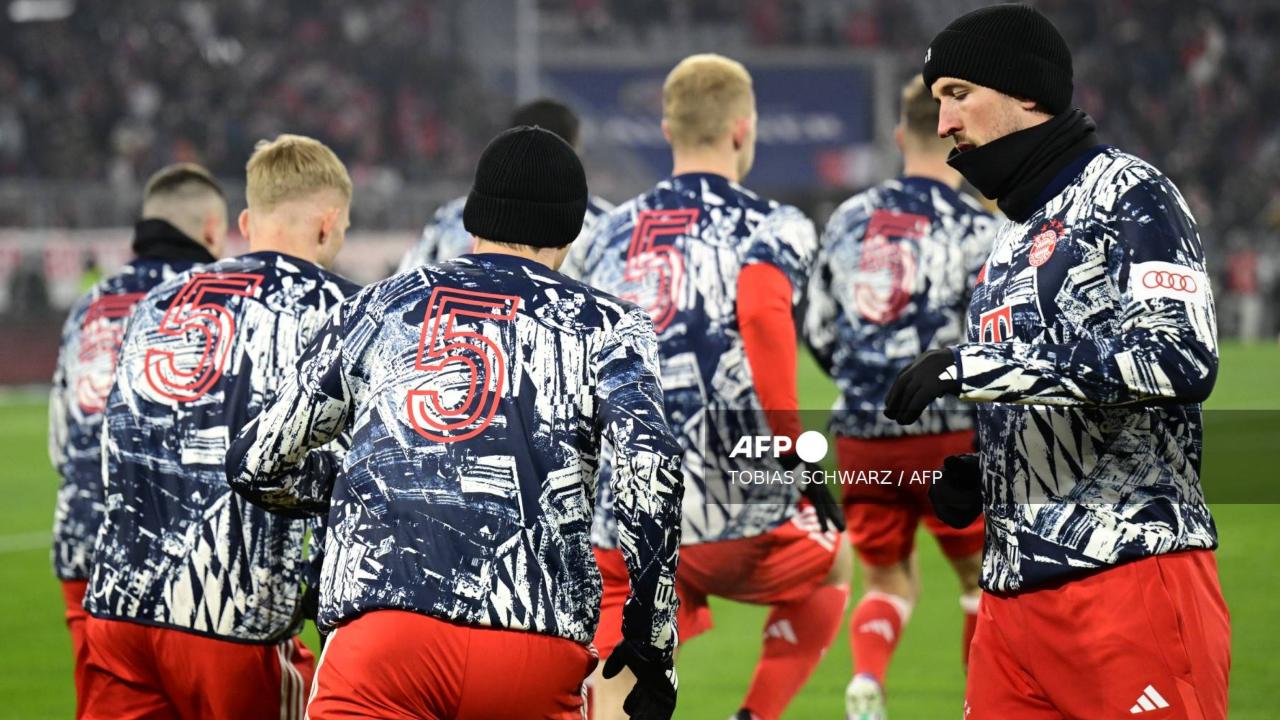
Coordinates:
386	85
114	91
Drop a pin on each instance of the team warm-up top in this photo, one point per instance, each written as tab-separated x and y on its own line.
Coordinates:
202	354
478	392
891	280
1089	313
680	248
91	338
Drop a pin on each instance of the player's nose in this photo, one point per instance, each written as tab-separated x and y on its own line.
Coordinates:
948	120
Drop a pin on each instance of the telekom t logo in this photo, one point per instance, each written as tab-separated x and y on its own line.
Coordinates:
996	325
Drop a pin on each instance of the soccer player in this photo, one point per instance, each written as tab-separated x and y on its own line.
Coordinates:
445	237
193	592
184	222
458	570
893	278
720	270
1091	345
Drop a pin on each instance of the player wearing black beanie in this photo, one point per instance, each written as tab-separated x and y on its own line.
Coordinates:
1091	345
1011	48
529	189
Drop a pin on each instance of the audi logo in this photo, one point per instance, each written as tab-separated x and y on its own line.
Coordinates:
1169	281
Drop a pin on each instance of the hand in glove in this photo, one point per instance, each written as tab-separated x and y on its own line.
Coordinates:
310	603
926	379
830	516
957	495
654	694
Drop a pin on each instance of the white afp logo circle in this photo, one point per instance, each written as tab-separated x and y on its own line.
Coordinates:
811	446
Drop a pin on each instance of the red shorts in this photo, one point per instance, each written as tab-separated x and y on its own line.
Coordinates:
402	665
73	598
783	565
137	671
1149	639
882	518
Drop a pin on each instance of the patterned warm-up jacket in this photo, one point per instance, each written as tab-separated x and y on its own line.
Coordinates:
202	354
82	379
478	392
1092	342
677	250
893	278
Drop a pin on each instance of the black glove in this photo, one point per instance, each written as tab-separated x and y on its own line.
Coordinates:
311	602
957	496
654	695
829	514
919	384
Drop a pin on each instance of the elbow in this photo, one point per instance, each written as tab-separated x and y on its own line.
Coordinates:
242	483
1192	372
1200	384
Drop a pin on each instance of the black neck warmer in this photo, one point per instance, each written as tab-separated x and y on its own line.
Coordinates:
1014	169
159	240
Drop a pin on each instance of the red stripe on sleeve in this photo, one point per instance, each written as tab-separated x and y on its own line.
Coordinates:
769	334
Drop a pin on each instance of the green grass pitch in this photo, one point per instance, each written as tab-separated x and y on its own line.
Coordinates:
925	681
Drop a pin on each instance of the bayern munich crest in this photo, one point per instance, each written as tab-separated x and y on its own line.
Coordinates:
1044	242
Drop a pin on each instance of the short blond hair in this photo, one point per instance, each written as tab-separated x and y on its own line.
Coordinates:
292	167
702	95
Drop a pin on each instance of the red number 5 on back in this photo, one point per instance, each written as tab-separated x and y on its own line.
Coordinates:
660	265
468	372
170	372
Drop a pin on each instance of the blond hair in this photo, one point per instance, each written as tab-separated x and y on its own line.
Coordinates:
292	167
702	95
919	116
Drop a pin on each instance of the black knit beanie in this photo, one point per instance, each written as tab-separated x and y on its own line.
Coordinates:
1011	48
530	189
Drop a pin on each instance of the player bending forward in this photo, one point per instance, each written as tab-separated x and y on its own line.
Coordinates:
194	593
720	271
1091	346
893	278
184	222
458	570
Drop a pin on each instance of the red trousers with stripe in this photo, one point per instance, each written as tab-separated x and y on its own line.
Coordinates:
1149	640
73	598
139	672
398	665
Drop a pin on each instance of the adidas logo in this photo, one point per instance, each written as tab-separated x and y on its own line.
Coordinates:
1149	700
783	631
878	627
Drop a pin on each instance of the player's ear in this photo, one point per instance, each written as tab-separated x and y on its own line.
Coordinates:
327	223
898	136
243	222
741	129
666	131
212	234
